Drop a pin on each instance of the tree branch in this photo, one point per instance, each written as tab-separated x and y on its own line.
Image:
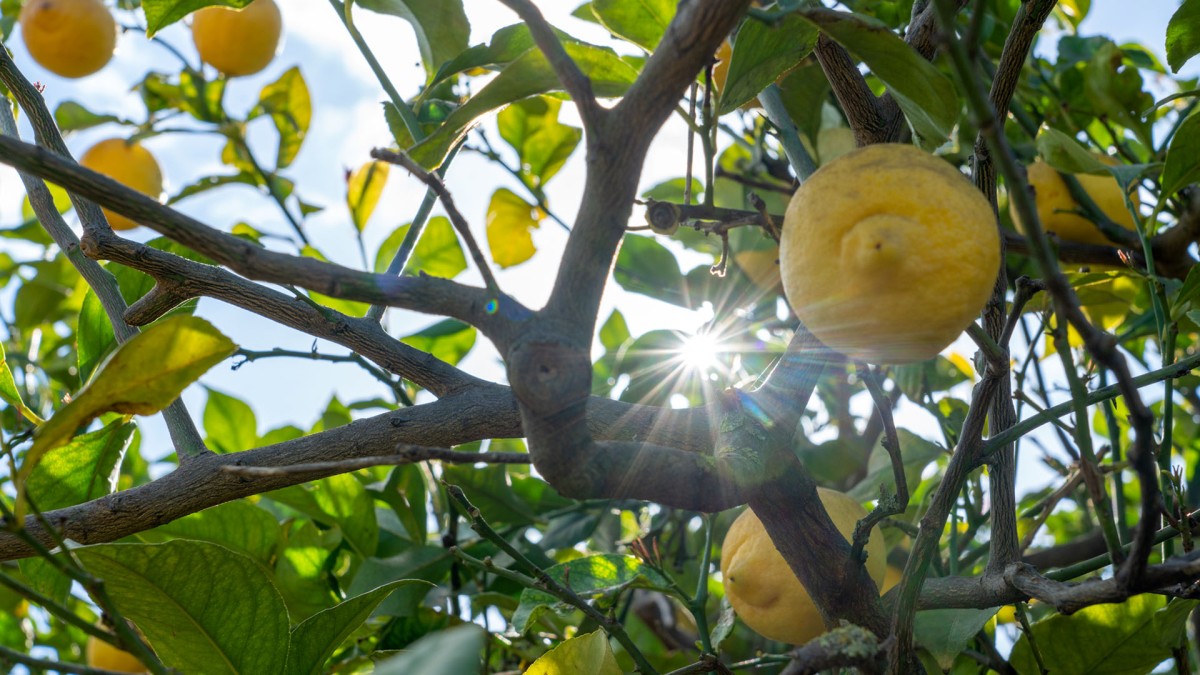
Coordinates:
573	80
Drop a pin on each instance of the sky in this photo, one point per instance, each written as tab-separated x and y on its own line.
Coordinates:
347	123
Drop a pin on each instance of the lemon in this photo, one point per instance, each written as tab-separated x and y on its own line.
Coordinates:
238	41
720	71
1057	208
71	38
761	266
102	655
129	164
762	588
888	253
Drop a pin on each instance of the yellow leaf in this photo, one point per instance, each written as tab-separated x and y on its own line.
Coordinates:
510	223
363	190
143	376
584	655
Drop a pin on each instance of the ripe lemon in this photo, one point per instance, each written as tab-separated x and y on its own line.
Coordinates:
129	164
762	588
238	41
888	253
71	38
1056	207
102	655
760	266
720	71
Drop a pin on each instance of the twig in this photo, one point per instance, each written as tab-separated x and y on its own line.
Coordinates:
772	102
1099	344
888	505
460	223
13	657
403	455
573	80
182	430
1026	289
543	581
848	646
397	387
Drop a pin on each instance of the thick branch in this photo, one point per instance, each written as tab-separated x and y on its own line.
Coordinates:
850	88
483	411
187	278
430	295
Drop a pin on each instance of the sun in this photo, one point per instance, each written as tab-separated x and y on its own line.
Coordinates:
700	352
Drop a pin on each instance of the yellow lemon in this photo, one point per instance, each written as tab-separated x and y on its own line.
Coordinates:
129	164
1057	208
760	266
888	253
71	38
891	578
762	588
238	41
102	655
720	71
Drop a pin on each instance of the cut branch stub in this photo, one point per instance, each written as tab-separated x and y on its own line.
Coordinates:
549	377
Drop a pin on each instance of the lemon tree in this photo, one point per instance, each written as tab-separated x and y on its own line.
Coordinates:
622	336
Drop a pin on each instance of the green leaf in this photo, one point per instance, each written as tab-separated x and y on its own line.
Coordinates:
615	332
1183	157
142	377
316	638
761	53
239	525
593	575
917	453
588	654
94	337
529	75
1170	622
300	573
1121	639
490	491
642	22
71	116
1183	34
338	500
543	144
288	103
945	633
1114	90
506	45
430	563
647	267
447	652
363	189
163	13
82	470
9	392
1066	154
448	340
510	224
926	96
441	26
437	252
229	423
197	603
